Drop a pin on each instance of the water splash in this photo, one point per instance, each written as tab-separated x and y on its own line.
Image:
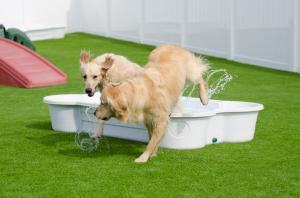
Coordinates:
216	82
86	142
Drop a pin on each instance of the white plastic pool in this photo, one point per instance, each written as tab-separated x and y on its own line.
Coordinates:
195	127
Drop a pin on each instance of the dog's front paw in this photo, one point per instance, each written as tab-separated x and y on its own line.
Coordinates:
96	136
142	159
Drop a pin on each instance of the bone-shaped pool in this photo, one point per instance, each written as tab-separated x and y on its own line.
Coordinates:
193	127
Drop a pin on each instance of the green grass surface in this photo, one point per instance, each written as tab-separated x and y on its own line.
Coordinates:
35	161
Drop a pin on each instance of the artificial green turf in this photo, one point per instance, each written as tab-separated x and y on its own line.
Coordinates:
35	161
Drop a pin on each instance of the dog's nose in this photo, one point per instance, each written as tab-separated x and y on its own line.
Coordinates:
88	90
95	113
105	118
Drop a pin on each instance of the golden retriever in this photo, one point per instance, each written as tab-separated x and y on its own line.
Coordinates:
104	69
150	96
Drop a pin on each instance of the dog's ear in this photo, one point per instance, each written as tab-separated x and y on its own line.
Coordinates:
85	57
122	109
122	106
108	62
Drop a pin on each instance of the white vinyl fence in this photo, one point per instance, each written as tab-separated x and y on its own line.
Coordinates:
262	32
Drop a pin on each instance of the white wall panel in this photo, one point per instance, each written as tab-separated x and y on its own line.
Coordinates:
43	14
264	32
94	16
125	18
74	16
297	18
11	13
163	21
208	26
39	18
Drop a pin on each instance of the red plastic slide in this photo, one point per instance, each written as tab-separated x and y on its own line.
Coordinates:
22	67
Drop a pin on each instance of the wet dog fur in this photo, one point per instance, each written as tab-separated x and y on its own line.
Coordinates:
150	96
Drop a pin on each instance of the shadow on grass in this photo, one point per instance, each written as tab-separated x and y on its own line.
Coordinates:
116	147
109	147
53	139
41	125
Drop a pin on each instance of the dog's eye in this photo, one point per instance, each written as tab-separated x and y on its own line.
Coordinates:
94	77
84	77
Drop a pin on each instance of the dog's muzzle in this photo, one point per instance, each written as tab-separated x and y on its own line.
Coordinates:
89	92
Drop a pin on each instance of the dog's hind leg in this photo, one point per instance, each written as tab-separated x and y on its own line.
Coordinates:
203	91
157	134
99	130
195	71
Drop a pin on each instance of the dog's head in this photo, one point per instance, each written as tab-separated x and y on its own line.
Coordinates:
93	71
113	104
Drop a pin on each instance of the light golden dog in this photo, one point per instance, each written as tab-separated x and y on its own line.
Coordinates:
105	69
150	96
